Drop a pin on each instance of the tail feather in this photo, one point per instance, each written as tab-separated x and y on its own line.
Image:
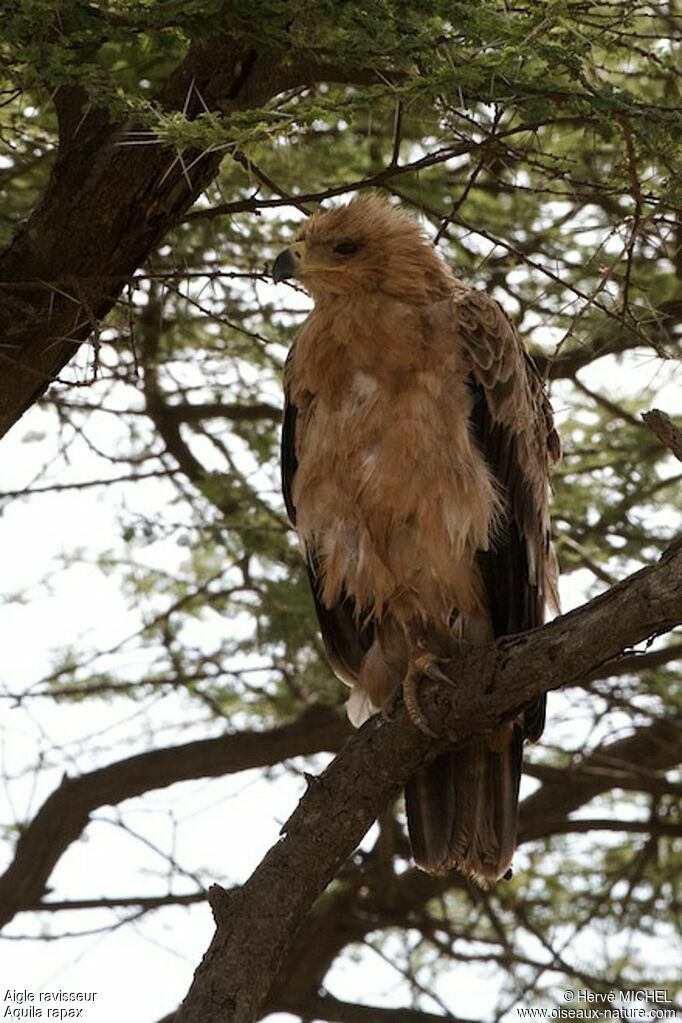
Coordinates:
462	811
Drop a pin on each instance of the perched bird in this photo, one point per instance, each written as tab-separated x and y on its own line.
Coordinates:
416	446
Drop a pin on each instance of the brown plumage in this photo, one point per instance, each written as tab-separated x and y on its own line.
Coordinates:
416	445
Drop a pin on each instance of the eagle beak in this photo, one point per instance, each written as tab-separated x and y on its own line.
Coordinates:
288	263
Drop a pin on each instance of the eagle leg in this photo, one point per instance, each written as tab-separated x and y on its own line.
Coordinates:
420	665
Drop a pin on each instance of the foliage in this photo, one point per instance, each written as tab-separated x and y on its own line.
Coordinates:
539	142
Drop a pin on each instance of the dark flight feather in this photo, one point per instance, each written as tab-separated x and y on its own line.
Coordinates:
464	806
345	642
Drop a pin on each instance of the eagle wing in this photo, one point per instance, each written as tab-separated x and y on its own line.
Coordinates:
512	422
462	809
346	642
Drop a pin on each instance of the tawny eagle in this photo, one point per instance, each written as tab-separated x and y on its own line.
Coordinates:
416	447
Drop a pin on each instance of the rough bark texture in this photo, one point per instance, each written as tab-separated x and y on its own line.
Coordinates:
258	923
665	430
365	899
108	205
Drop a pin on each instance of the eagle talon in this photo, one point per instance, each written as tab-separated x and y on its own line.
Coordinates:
427	664
417	668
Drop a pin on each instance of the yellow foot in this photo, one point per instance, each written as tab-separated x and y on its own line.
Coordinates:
425	665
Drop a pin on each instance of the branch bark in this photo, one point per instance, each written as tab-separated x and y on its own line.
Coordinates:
370	896
108	204
634	664
643	605
666	431
66	812
612	767
325	1007
258	924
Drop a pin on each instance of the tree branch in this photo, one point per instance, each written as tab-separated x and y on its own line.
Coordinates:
630	764
118	201
66	812
367	898
362	901
325	1007
553	826
633	664
666	431
146	902
614	766
492	682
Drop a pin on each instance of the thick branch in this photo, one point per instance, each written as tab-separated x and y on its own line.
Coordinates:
367	899
634	664
347	914
325	1007
254	935
66	813
614	766
631	765
146	902
651	598
108	204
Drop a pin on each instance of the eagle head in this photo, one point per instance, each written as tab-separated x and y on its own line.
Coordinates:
367	245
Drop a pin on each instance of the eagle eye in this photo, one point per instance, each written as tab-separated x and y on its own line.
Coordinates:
346	248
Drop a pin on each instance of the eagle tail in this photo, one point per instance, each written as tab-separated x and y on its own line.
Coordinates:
462	810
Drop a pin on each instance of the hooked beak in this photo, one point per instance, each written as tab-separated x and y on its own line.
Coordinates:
288	263
296	262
